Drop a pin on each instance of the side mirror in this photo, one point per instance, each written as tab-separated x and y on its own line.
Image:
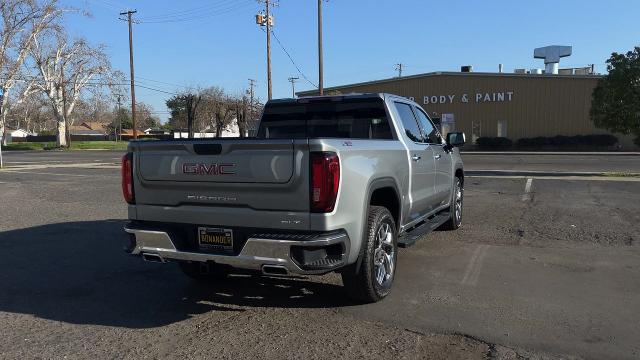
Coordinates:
456	139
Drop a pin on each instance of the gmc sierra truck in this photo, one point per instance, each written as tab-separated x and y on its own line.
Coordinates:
329	183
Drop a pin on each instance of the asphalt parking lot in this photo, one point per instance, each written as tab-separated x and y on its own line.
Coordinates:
552	272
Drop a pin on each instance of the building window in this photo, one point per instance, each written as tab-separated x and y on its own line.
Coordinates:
502	128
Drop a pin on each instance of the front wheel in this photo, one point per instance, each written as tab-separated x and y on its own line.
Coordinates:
371	281
455	210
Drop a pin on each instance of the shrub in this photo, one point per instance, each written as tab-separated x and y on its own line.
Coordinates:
534	142
599	140
569	141
494	142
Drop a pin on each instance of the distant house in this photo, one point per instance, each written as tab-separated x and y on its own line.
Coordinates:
16	134
19	133
88	128
156	131
126	132
230	131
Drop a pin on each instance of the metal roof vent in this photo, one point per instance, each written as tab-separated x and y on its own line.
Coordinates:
551	55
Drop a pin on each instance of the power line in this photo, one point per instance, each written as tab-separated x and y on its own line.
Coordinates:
219	11
292	61
105	84
158	90
162	82
189	12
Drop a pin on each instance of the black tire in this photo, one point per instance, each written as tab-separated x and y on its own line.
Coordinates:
360	279
455	220
202	272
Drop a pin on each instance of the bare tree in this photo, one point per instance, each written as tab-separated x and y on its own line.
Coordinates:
26	111
66	69
241	112
146	116
216	109
22	21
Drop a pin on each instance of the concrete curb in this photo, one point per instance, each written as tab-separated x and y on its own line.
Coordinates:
612	153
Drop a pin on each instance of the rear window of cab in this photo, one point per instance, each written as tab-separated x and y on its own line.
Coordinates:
347	118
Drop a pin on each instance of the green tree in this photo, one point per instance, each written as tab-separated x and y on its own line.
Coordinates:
122	116
615	102
178	107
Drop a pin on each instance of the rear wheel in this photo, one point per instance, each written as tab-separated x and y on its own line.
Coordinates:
202	271
371	281
455	210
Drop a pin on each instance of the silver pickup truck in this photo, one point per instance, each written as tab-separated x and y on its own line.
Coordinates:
332	183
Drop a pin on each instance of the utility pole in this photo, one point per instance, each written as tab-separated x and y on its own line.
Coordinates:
252	84
267	20
320	61
270	95
133	89
399	69
292	80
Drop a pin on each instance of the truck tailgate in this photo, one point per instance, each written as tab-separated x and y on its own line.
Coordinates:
259	174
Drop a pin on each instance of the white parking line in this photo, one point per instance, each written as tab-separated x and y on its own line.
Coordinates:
101	165
472	274
564	178
56	174
527	190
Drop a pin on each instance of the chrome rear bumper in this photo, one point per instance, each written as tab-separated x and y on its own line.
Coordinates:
256	254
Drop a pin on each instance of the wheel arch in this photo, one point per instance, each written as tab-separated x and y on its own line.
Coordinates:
385	186
459	173
384	192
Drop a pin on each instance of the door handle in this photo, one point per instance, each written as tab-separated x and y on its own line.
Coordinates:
437	157
416	157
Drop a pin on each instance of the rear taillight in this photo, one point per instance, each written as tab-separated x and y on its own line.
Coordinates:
127	178
325	181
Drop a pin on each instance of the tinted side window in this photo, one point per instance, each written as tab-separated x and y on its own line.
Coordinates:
430	131
409	122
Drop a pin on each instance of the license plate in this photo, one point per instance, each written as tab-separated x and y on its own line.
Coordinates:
215	238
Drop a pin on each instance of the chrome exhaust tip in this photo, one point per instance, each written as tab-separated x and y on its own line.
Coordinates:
152	258
275	270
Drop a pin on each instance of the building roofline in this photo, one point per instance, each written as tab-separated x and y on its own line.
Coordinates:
448	73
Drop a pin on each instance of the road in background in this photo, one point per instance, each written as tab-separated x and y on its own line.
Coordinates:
538	267
547	162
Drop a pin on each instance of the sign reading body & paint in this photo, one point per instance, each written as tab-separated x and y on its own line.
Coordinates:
479	97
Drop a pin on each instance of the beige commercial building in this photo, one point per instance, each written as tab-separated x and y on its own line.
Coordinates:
496	104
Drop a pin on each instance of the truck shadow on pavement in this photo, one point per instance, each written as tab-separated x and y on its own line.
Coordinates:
77	272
